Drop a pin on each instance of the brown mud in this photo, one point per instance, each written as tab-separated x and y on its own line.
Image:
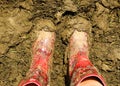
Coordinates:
101	18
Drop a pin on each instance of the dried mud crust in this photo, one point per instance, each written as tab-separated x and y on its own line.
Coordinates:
18	22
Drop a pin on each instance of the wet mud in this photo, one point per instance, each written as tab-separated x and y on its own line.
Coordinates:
19	21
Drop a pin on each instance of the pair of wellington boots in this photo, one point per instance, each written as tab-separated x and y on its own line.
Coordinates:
80	67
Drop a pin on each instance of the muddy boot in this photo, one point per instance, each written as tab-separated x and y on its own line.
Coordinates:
39	73
80	67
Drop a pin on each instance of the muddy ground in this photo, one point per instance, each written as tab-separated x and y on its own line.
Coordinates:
18	24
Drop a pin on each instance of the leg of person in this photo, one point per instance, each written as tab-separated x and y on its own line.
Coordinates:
81	70
39	72
90	82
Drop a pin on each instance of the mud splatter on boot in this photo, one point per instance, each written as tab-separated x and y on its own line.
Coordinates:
39	73
80	66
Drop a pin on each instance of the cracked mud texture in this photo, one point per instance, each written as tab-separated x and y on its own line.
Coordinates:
17	33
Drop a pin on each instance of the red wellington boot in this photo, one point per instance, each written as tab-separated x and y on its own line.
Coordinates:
80	67
39	72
